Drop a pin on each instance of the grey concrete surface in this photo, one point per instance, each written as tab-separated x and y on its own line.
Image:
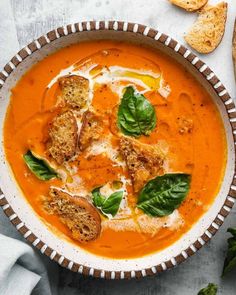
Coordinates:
24	20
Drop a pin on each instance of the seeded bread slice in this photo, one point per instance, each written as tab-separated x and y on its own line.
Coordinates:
91	130
189	5
208	30
75	90
63	134
76	213
143	161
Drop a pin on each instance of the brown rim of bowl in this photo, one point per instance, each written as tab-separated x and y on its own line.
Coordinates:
215	84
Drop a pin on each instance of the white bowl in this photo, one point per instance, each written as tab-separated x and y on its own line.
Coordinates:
35	231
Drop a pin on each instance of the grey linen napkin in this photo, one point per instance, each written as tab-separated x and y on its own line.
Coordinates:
23	270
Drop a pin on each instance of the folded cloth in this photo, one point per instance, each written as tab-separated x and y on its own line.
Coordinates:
23	270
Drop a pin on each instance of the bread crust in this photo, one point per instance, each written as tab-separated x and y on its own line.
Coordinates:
91	130
208	30
143	161
189	5
81	217
75	90
63	136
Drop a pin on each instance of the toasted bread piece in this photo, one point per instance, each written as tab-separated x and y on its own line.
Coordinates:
75	90
91	130
208	30
76	213
143	161
234	48
63	135
189	5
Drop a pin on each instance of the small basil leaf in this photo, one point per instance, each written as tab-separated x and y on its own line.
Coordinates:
136	115
108	205
211	289
98	199
163	194
230	260
39	167
112	204
232	231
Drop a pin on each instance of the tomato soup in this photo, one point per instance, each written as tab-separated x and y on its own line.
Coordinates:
167	121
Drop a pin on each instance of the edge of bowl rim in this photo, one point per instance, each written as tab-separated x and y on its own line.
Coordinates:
202	68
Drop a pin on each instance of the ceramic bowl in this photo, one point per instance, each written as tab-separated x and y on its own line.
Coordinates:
32	228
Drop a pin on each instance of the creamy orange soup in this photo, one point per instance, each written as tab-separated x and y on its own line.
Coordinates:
189	131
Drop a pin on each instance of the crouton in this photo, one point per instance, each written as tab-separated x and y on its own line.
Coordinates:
90	131
75	90
81	217
234	48
208	30
63	134
189	5
143	161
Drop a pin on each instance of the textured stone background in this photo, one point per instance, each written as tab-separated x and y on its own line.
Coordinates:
24	20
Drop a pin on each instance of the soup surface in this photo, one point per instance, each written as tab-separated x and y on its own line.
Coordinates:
125	128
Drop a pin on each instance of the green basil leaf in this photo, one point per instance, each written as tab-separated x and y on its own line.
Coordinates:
107	206
230	260
211	289
98	199
39	167
232	231
112	204
136	115
163	194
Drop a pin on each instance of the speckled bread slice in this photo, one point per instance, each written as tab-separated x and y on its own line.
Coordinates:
76	213
234	48
143	161
75	90
189	5
91	130
63	135
208	30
